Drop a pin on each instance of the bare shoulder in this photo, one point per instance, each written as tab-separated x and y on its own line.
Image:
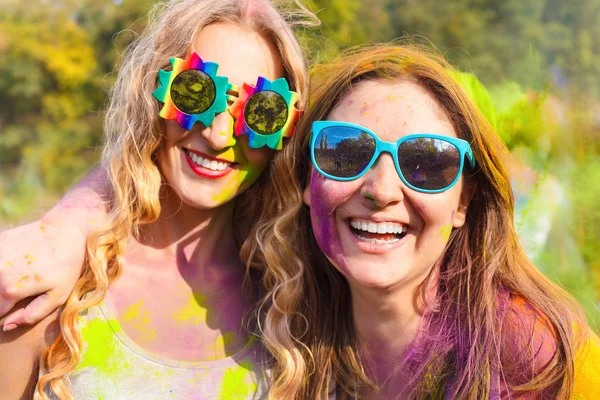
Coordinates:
20	351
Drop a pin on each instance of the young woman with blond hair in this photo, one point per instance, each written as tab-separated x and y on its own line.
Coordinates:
202	101
404	277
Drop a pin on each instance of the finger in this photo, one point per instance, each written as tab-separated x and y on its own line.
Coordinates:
6	304
38	309
26	286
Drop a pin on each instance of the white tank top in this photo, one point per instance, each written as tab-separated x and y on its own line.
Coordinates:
113	367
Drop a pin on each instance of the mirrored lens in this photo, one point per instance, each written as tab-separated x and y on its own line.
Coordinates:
342	151
193	91
427	163
266	112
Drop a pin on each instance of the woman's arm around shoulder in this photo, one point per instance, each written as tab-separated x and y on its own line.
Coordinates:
20	350
43	259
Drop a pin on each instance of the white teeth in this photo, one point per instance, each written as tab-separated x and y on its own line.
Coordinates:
378	241
206	163
372	227
377	227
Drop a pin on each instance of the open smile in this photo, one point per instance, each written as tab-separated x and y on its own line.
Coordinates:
207	166
376	236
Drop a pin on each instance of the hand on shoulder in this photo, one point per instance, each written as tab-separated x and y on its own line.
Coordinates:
41	260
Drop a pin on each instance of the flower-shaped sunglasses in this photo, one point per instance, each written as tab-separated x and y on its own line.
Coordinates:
193	92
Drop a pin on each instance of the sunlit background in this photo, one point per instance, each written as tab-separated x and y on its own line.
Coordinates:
532	66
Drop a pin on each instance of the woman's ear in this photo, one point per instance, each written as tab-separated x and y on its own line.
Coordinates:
306	195
306	192
460	216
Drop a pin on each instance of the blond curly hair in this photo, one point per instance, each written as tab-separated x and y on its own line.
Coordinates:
132	133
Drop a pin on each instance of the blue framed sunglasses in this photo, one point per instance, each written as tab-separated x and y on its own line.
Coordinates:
425	162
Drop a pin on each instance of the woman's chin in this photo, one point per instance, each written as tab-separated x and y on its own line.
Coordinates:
370	276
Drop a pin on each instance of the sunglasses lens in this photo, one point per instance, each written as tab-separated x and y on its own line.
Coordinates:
266	112
193	91
427	163
343	152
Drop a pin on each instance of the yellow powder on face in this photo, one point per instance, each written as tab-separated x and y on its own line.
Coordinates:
229	190
247	177
228	154
364	108
229	133
446	231
391	98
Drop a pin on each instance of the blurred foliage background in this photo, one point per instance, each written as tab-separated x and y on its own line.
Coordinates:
532	66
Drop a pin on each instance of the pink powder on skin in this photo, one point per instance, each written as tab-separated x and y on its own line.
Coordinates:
322	212
364	108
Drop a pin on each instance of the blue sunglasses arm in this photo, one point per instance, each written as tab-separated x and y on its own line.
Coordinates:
466	149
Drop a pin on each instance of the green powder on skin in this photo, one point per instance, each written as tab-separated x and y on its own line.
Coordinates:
247	176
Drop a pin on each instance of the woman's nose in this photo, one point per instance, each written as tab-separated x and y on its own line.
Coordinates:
382	186
220	133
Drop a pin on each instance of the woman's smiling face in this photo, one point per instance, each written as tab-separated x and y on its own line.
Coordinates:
340	210
208	166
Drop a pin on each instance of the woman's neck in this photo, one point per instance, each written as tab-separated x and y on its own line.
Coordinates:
183	279
190	234
386	323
